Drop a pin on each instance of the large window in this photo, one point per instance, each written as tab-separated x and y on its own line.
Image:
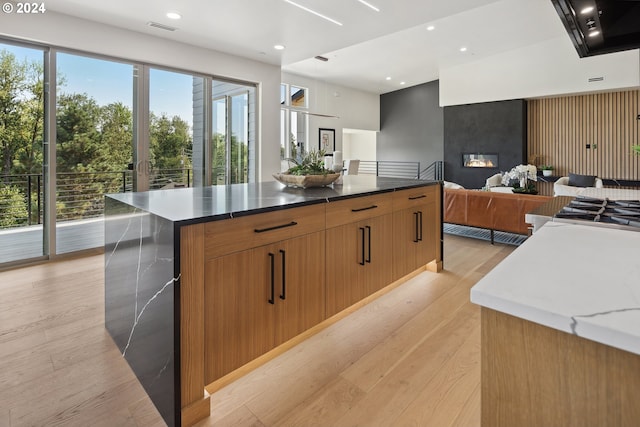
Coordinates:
175	103
22	153
94	145
293	121
233	141
113	126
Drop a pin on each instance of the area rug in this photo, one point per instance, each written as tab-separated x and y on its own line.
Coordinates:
484	234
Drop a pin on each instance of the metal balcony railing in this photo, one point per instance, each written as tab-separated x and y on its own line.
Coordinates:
79	195
392	169
434	172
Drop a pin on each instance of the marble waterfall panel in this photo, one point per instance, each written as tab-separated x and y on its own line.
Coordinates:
140	289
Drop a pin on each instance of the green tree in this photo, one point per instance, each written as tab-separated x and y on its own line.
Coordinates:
14	207
13	92
170	141
78	139
29	156
170	145
115	146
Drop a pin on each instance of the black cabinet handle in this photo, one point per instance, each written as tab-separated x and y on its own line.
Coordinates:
369	252
283	295
262	230
272	260
362	240
416	237
420	228
422	196
364	209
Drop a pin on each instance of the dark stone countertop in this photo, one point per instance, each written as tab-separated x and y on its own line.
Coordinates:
192	205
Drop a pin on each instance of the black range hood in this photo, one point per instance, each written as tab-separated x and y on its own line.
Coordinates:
601	26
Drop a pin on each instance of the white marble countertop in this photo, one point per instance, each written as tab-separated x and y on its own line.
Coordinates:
575	278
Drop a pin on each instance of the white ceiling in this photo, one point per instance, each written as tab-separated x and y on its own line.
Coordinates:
366	49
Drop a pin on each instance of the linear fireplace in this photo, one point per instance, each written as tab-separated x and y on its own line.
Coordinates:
480	160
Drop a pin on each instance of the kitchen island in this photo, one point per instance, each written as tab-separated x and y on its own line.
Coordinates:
202	281
561	330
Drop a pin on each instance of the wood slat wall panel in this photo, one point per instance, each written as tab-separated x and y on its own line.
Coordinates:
558	130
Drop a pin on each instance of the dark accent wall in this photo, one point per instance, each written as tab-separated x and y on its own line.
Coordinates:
491	127
411	125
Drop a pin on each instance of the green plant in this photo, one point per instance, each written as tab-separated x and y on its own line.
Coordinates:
636	148
311	163
546	168
530	188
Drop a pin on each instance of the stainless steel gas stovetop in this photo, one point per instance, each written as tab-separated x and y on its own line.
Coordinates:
622	214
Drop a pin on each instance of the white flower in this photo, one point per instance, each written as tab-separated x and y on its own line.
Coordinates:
529	172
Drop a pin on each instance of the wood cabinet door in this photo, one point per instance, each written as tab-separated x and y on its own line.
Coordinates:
429	238
300	289
345	262
378	249
405	239
415	238
358	261
239	320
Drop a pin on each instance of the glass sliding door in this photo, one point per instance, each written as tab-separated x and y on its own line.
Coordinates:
94	145
22	153
176	114
233	140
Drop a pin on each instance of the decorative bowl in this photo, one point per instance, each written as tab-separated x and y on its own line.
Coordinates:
306	181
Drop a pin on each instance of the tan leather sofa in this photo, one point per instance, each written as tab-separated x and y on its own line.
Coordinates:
494	211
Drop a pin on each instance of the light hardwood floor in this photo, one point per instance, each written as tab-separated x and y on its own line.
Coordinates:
410	358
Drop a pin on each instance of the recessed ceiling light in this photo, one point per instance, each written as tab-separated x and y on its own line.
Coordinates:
173	15
402	83
594	33
463	49
369	5
306	9
278	47
388	78
587	10
431	28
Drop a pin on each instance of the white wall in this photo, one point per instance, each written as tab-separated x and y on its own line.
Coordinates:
355	109
359	144
72	33
549	68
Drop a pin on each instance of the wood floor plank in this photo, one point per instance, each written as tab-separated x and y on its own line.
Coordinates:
24	369
391	396
144	413
379	362
324	407
442	398
242	416
5	418
470	412
66	388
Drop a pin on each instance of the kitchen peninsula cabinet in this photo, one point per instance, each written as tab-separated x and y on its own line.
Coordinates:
416	218
201	281
269	294
358	233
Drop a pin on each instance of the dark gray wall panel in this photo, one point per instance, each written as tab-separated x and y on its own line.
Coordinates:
491	127
411	125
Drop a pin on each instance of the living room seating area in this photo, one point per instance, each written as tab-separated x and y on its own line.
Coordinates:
490	210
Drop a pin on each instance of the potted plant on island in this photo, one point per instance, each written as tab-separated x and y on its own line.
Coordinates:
547	170
308	171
